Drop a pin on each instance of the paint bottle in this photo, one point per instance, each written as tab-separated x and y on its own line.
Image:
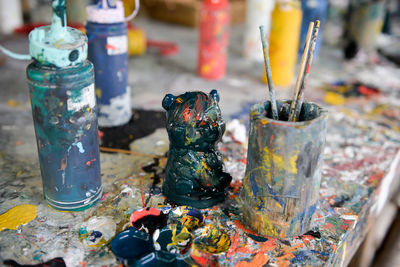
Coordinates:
284	41
61	86
365	23
108	50
312	10
258	12
213	39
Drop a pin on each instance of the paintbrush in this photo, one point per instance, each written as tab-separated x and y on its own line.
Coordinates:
269	75
301	72
300	96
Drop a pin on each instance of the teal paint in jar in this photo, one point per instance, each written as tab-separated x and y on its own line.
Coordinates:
61	86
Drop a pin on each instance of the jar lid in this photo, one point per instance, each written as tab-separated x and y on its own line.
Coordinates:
56	44
106	11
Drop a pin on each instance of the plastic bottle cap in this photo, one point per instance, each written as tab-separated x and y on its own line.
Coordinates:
216	3
58	45
102	12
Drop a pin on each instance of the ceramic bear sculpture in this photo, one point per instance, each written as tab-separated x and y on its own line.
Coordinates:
194	174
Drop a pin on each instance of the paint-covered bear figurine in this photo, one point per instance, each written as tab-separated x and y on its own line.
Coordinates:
194	174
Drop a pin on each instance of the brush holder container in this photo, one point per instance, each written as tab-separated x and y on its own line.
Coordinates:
284	162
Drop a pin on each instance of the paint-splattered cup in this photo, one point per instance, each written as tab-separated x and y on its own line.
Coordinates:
283	172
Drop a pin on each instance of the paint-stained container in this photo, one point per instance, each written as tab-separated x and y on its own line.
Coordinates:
284	41
64	115
108	51
213	39
61	86
283	172
312	10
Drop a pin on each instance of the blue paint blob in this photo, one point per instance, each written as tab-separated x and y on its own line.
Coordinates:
95	235
131	244
254	186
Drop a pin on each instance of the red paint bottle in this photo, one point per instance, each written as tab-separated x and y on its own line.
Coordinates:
213	39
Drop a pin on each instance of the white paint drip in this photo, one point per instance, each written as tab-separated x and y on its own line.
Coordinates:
118	112
86	98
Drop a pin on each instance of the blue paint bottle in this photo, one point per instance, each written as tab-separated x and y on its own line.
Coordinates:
312	10
108	50
61	86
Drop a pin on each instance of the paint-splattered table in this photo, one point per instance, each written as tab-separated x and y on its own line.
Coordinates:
360	172
361	167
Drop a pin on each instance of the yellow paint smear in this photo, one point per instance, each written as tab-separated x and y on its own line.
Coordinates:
17	216
279	162
264	225
335	99
13	103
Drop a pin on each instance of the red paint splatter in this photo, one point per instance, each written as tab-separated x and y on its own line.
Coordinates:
349	222
104	196
187	114
112	47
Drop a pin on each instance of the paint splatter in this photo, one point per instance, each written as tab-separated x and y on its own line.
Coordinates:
17	216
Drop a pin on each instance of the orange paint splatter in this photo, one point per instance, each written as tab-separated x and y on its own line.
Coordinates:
259	260
89	162
241	226
376	177
63	164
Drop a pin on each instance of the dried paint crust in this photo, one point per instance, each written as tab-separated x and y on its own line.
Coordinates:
194	174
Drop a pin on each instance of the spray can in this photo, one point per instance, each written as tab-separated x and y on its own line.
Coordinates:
312	10
258	12
213	39
61	86
108	51
284	41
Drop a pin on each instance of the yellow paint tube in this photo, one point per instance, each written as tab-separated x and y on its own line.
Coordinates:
284	41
